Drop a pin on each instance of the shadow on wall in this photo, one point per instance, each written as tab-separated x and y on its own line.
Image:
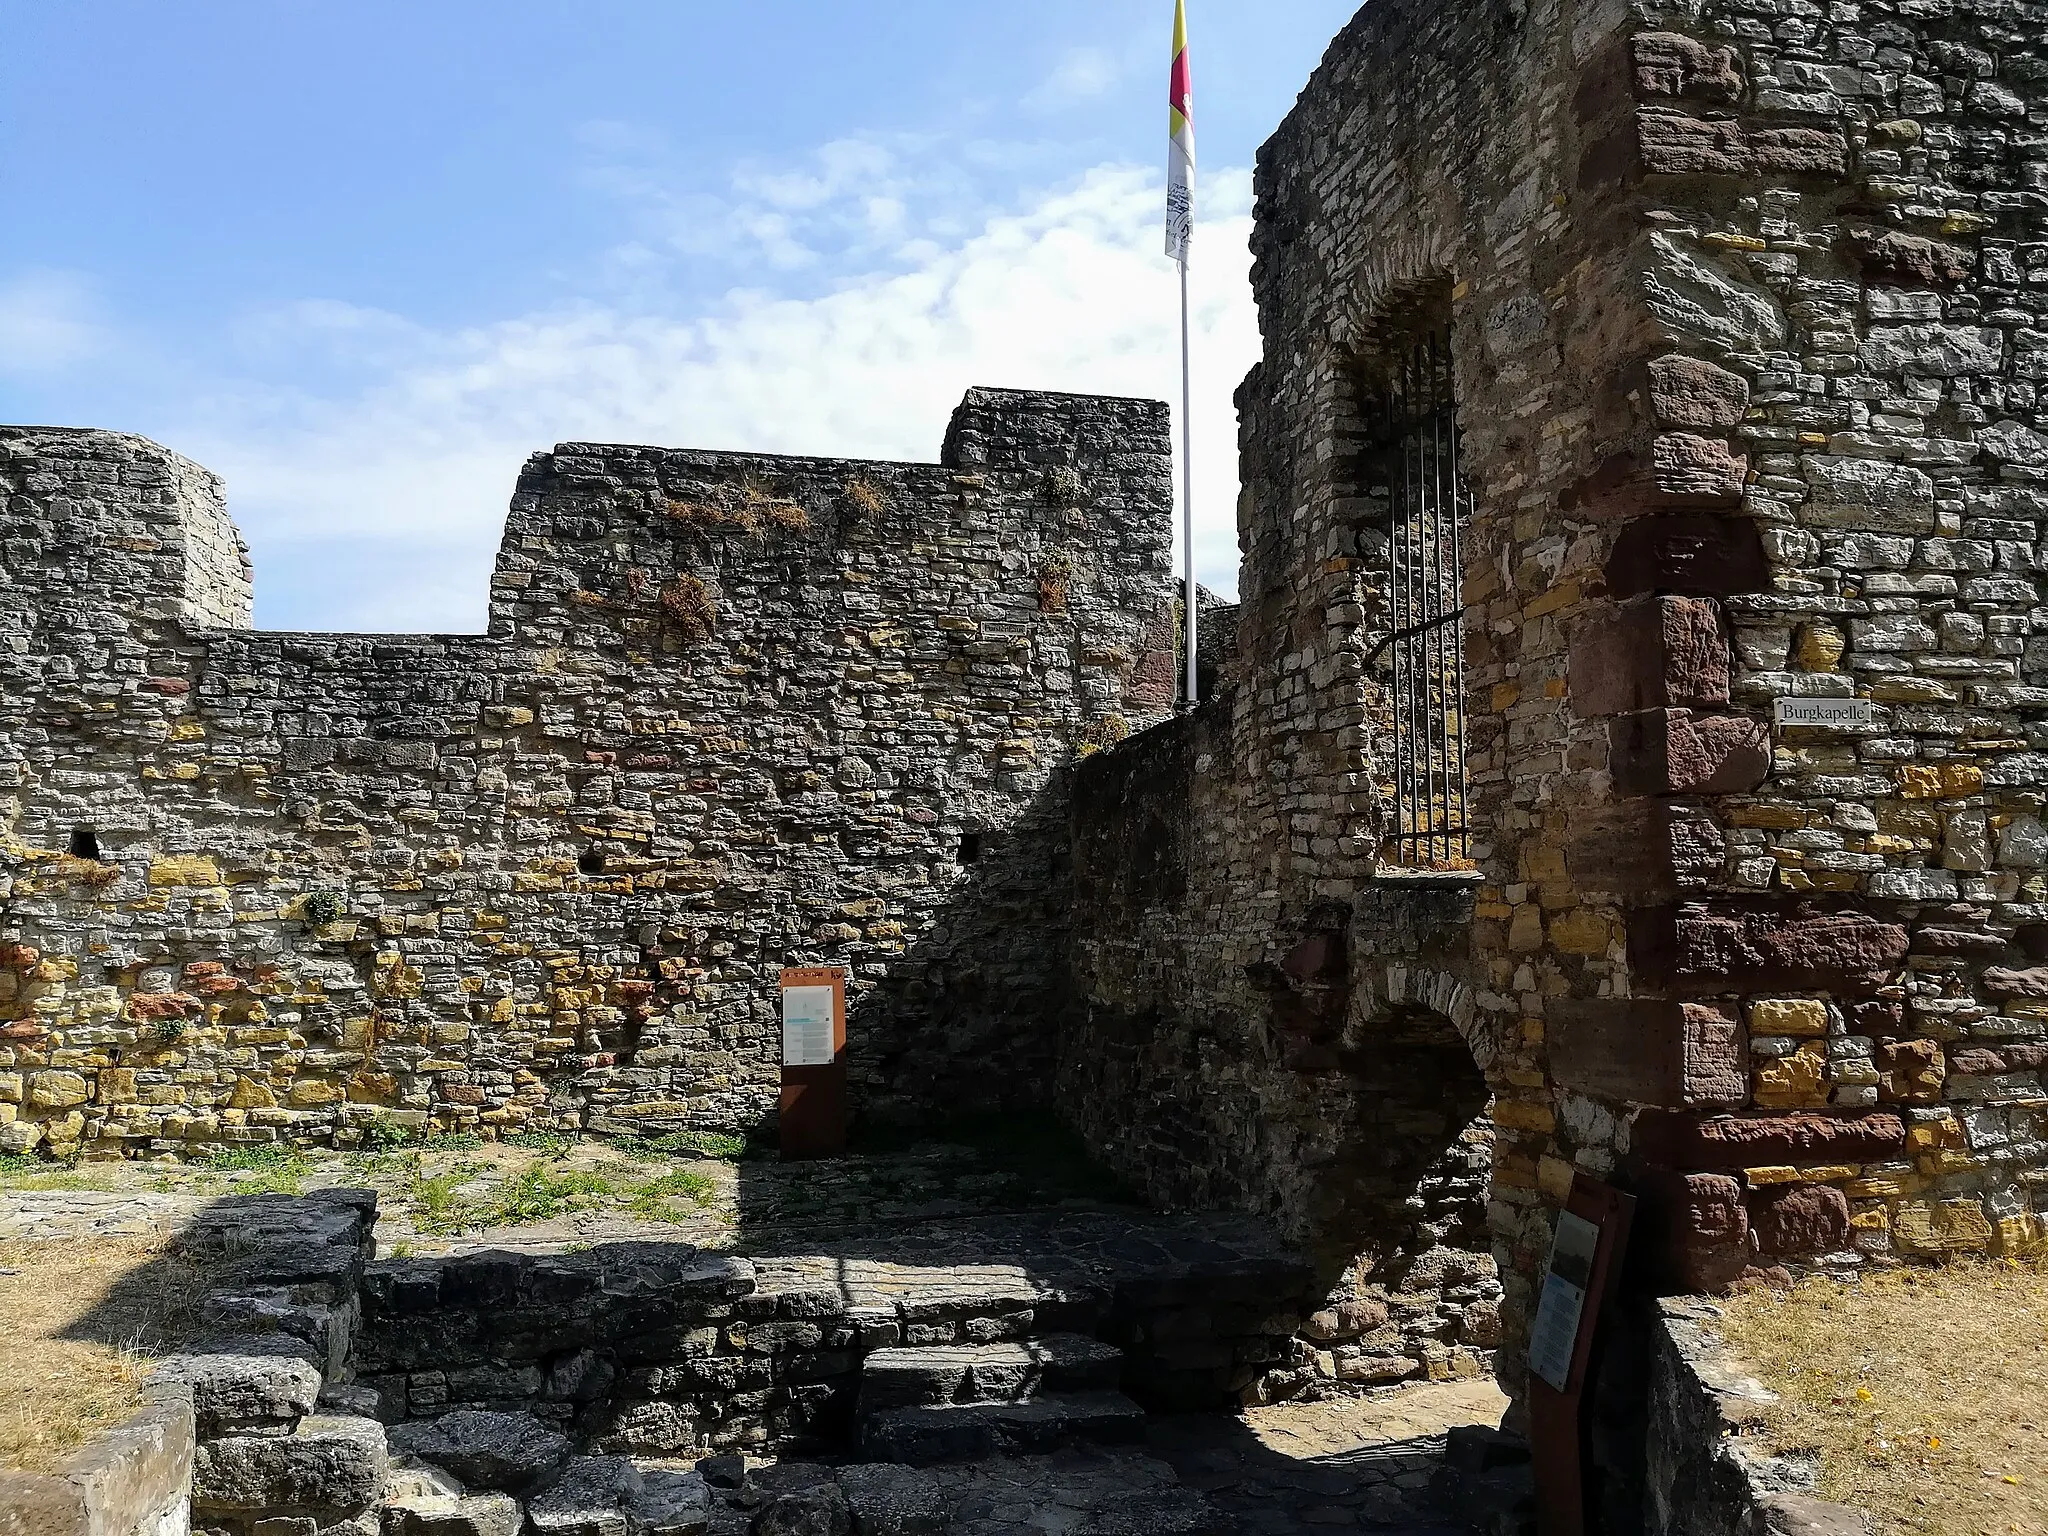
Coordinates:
965	1020
1309	1063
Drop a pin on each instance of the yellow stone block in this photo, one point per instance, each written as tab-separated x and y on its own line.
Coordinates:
1950	1226
1936	781
1554	1178
308	1095
1798	1081
1517	1115
1552	601
1827	1173
1880	1187
185	869
1774	1174
1878	1220
250	1094
1797	1016
2022	1234
117	1085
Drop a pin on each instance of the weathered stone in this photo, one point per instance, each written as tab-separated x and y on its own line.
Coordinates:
1676	1140
1797	1219
812	1512
1890	256
1672	64
894	1501
1686	553
1724	947
1664	652
327	1466
251	1379
483	1514
504	1452
1692	393
590	1496
1678	752
1646	1051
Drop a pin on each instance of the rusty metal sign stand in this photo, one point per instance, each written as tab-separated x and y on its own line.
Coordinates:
812	1109
1583	1277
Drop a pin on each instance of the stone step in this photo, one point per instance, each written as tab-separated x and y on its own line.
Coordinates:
965	1431
942	1375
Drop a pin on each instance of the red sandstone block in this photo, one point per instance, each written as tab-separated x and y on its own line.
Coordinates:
1670	64
1676	145
1683	470
1687	552
1692	393
1909	261
1799	1220
1662	653
1663	1138
1696	1229
1643	850
1702	948
1648	1051
1676	752
1800	151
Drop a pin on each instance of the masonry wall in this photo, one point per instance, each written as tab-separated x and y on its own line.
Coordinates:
732	713
1746	303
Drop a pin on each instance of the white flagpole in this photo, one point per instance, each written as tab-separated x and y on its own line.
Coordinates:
1187	498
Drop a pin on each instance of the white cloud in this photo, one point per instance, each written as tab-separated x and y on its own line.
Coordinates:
48	321
1082	74
413	468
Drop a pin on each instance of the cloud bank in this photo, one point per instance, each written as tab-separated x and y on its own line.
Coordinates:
374	499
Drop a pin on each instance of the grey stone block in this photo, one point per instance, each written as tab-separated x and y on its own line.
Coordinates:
507	1452
332	1465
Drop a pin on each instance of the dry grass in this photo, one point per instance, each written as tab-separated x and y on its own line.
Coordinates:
1923	1392
84	1319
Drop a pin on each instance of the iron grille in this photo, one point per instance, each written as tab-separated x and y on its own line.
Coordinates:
1430	508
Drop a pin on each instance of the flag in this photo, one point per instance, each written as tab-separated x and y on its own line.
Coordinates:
1180	163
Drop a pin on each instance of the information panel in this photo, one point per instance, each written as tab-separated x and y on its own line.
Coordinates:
1562	1309
809	1024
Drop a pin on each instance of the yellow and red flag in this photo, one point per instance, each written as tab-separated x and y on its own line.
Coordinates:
1180	164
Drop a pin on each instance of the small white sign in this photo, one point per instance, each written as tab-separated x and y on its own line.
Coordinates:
1835	712
807	1026
1563	1304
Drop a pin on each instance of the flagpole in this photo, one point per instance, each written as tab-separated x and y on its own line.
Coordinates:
1187	499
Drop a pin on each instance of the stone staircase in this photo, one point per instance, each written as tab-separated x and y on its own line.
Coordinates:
947	1402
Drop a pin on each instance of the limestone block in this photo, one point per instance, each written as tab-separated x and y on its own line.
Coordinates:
894	1501
480	1514
56	1090
327	1466
505	1452
248	1379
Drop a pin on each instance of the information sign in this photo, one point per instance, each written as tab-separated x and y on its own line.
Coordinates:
1554	1339
1838	713
1581	1278
809	1023
813	1106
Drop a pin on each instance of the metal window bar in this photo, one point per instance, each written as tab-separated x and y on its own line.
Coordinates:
1430	509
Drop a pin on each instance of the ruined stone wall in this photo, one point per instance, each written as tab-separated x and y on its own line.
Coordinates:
732	713
1746	302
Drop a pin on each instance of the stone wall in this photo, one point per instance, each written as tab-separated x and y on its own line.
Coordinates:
732	713
1746	304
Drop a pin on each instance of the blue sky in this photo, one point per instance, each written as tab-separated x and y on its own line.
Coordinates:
362	256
